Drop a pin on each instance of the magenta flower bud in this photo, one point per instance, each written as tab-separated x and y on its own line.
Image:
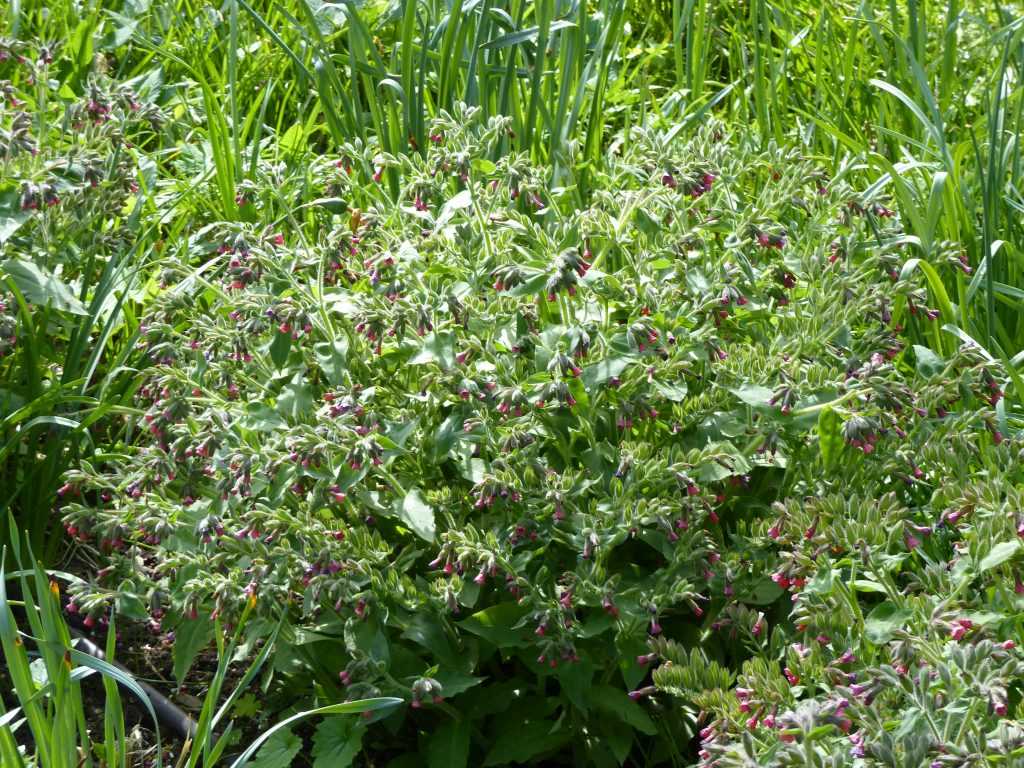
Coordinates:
481	577
640	693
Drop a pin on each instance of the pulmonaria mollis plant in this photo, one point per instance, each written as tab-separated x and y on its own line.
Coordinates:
490	446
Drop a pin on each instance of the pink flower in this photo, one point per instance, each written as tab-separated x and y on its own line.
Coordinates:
960	628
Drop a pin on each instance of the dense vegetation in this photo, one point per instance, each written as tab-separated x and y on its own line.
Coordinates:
557	383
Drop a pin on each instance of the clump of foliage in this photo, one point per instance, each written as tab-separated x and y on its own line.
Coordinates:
482	445
578	374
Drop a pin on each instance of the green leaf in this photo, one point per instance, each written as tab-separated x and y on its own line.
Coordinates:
462	200
279	348
246	706
526	35
998	555
331	357
417	514
296	398
366	638
520	742
293	140
449	745
928	363
496	625
81	47
437	348
576	681
344	708
278	751
427	630
830	437
868	585
11	214
453	682
821	584
674	391
262	418
10	223
446	436
597	374
336	742
764	593
190	637
883	622
753	395
618	739
616	702
41	287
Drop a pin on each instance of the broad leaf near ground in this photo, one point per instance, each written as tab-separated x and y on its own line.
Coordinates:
278	751
190	637
337	741
42	287
449	745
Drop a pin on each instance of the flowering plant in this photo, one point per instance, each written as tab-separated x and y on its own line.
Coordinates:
531	462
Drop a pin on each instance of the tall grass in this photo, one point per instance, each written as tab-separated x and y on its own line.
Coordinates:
882	82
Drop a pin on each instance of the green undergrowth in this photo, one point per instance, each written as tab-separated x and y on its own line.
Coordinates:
610	383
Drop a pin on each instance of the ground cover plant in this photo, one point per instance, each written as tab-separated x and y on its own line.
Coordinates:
609	384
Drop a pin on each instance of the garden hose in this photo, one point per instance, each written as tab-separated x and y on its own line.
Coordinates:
167	712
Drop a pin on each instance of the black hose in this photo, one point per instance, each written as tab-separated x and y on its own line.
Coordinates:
167	712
